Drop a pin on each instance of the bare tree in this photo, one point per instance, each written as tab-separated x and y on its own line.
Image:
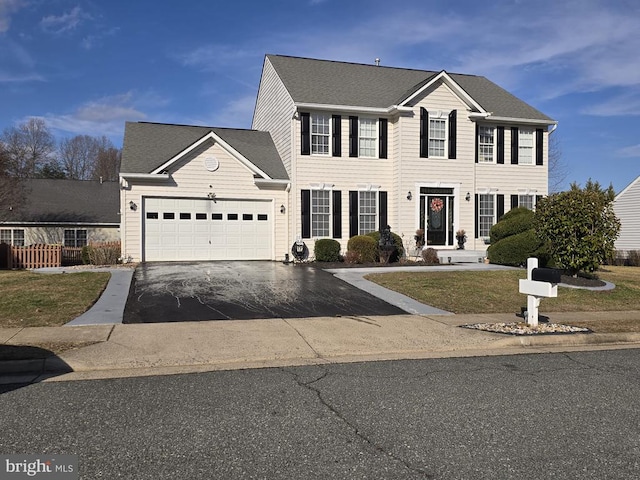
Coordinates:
78	155
27	147
558	169
107	165
11	190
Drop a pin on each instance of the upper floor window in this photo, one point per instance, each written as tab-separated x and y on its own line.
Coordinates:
486	144
320	133
75	238
13	237
525	146
437	137
367	212
320	213
367	137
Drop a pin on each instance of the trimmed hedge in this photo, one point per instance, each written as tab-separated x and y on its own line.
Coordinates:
365	247
515	249
397	241
515	221
327	250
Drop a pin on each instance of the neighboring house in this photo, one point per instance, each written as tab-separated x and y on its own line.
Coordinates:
627	208
338	149
71	213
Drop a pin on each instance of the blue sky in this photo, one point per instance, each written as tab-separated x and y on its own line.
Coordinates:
87	66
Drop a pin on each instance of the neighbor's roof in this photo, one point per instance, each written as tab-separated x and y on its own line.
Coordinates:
147	146
68	201
328	82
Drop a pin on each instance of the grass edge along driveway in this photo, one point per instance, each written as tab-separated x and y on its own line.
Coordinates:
36	299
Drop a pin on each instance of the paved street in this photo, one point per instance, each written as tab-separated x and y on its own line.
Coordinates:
571	416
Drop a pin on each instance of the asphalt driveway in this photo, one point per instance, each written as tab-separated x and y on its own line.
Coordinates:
192	291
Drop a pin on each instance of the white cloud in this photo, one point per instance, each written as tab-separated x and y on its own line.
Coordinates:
65	22
90	41
632	151
7	8
623	104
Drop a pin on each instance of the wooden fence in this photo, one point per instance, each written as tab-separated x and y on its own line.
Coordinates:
42	256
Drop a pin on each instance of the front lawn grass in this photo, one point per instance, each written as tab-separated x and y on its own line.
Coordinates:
37	299
497	291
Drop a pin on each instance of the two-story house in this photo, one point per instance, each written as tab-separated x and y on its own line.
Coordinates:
337	149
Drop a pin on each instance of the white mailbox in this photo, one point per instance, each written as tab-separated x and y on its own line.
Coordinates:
540	283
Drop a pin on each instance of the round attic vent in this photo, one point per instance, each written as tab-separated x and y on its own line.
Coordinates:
211	164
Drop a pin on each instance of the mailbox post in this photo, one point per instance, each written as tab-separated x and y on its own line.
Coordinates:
540	283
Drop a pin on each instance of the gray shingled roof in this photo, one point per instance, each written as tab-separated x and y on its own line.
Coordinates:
338	83
68	201
148	145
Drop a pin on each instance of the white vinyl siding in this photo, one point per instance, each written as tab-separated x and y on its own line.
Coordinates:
367	137
320	133
437	137
526	142
626	209
320	213
367	212
486	214
486	145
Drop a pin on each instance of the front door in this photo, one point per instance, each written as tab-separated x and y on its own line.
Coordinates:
436	214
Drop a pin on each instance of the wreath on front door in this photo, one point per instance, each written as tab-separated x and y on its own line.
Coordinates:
437	204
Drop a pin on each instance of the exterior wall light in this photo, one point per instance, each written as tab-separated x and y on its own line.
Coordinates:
409	196
282	209
133	206
468	197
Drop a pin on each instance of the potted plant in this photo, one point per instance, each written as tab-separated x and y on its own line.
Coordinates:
461	237
419	238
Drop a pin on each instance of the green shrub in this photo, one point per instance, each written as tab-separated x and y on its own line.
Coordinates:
397	241
327	250
515	249
365	246
430	255
515	221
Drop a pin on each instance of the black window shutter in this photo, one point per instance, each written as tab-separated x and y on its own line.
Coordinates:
383	126
353	136
500	207
500	145
424	133
514	201
305	134
477	216
538	198
539	146
453	127
477	141
514	145
382	210
306	213
336	135
337	214
353	213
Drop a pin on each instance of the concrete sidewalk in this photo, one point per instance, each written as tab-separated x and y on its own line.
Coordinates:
156	349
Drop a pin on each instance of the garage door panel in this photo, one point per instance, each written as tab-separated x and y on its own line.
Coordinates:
199	229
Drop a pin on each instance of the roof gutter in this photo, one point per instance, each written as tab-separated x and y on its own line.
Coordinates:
529	121
353	108
152	177
272	183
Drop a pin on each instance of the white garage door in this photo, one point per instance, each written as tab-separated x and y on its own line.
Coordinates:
199	229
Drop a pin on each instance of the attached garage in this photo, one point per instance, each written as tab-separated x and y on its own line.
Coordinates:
205	229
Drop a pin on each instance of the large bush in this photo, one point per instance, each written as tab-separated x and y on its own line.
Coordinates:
365	248
578	226
516	220
515	249
397	242
327	250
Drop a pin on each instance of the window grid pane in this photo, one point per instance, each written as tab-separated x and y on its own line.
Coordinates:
485	145
320	134
437	137
320	213
525	147
525	201
485	214
367	138
368	212
5	236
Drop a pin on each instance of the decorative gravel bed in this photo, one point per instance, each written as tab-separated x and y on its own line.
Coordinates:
520	328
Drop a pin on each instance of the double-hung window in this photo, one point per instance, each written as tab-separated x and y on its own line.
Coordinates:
526	201
320	213
75	238
367	212
13	237
367	137
320	133
486	144
437	137
525	146
486	214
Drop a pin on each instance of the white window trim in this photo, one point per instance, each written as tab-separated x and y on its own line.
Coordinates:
376	214
533	145
324	188
491	192
444	116
456	206
376	126
311	134
494	149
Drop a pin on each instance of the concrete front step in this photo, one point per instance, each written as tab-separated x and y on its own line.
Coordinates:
462	256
